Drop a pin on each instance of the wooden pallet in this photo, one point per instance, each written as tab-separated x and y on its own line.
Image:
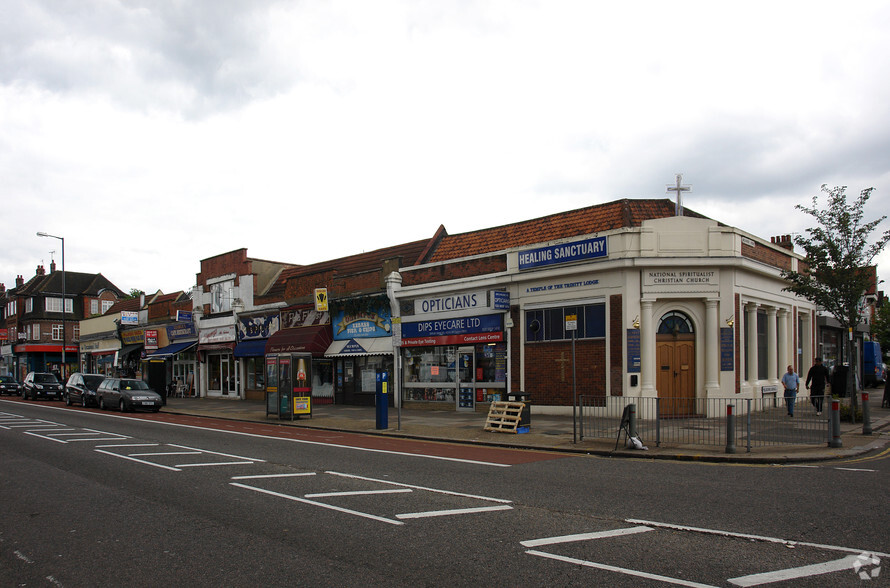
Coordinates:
503	417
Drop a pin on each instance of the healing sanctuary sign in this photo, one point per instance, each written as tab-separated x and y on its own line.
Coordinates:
563	253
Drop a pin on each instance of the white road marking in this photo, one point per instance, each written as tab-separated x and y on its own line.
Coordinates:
157	465
854	470
618	570
214	463
838	565
358	493
449	492
756	537
156	453
45	437
302	441
272	476
584	536
132	445
321	504
215	452
454	511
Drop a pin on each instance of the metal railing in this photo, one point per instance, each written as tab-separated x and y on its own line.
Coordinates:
759	422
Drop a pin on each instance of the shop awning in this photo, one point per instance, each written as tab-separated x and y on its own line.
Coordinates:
217	347
359	347
251	348
128	349
171	350
314	340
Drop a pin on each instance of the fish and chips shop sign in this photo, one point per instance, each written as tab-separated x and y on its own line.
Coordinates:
587	249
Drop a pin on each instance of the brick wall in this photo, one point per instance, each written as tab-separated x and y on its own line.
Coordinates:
454	270
234	262
767	255
548	371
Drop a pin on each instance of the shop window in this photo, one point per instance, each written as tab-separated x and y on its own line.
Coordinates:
549	324
491	363
255	373
429	364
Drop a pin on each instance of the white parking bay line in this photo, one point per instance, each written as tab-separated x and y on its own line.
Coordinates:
258	476
358	493
142	461
320	504
584	536
448	492
216	452
454	511
215	463
165	453
837	565
626	571
756	537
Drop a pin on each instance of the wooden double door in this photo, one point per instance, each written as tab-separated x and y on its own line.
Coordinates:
675	379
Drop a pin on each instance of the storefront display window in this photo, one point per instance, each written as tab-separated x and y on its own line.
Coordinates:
430	374
430	364
255	373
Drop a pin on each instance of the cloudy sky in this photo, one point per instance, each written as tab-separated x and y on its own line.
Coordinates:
151	135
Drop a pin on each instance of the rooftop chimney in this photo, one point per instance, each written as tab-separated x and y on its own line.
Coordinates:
783	241
19	281
52	266
40	270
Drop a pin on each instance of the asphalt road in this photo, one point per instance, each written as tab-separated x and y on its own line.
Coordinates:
91	498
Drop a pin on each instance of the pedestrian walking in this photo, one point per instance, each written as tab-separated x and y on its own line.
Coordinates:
791	382
817	377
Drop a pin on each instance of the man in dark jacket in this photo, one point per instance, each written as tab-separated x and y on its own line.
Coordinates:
817	377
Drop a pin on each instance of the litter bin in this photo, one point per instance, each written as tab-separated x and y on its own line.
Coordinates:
525	417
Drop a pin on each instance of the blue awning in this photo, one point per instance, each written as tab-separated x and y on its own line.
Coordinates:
171	350
251	348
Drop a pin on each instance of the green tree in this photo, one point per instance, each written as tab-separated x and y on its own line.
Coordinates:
838	254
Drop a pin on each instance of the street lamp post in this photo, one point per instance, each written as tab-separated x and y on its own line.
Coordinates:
64	295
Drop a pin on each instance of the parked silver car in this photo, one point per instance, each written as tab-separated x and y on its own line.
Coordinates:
81	389
127	394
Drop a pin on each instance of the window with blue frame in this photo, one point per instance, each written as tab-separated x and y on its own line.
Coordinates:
549	324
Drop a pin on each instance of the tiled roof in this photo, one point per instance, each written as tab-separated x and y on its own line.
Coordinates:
353	264
563	225
130	304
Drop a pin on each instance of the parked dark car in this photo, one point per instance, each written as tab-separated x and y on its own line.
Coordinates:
127	394
42	385
81	389
9	385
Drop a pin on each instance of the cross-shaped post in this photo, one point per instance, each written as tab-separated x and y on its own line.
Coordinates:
679	189
562	367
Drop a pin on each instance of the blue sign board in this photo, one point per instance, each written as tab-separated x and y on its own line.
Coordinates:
452	326
593	248
362	325
633	351
500	300
727	349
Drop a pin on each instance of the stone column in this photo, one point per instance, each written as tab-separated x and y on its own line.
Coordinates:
712	349
751	343
647	348
772	347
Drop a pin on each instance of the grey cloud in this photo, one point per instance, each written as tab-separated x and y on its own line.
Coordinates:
189	56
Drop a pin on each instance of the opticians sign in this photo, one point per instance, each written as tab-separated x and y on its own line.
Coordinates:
594	248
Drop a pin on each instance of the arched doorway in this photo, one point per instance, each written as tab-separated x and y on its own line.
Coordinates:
675	354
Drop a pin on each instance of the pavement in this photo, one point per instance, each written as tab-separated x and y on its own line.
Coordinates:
546	432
